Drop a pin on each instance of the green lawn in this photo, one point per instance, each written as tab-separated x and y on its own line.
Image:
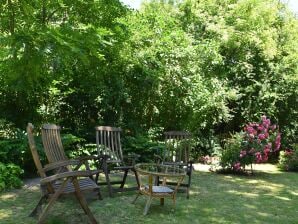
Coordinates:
269	196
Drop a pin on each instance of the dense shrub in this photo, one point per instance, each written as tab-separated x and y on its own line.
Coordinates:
14	147
288	159
143	146
253	145
10	176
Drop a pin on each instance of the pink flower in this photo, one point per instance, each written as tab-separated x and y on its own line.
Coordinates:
288	152
250	130
237	166
242	153
277	142
261	136
269	145
266	150
273	127
266	122
258	156
261	127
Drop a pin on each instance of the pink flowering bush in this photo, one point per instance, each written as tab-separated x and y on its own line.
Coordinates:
254	145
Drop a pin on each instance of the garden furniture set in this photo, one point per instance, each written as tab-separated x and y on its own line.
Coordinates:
73	176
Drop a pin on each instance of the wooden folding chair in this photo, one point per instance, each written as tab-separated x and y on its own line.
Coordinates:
110	150
64	180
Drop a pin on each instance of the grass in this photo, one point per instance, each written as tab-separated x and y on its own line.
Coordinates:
268	196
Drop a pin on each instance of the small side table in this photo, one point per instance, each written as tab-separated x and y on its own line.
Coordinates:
148	172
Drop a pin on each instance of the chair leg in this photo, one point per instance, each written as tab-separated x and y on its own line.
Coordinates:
188	184
187	192
83	201
147	205
174	201
136	198
99	194
106	172
124	178
38	207
51	202
137	178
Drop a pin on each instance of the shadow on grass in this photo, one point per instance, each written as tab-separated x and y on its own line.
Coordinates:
266	197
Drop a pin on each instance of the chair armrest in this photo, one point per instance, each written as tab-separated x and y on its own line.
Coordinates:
74	174
59	164
85	158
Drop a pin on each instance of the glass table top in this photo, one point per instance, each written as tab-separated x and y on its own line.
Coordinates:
158	169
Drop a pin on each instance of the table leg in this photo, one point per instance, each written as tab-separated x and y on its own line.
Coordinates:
136	198
147	205
162	201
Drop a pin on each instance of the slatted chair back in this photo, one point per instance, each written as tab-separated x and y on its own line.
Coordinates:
36	157
52	143
178	146
108	142
33	149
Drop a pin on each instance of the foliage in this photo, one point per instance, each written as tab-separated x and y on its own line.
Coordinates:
14	147
72	143
164	65
10	175
253	145
52	53
207	67
143	146
230	154
288	159
245	43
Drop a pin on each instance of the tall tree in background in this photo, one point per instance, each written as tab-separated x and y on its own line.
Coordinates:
54	57
207	66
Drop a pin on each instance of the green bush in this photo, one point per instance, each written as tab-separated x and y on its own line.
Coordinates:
143	146
288	159
10	176
231	152
15	149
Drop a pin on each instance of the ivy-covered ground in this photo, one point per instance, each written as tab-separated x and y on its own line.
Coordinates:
268	196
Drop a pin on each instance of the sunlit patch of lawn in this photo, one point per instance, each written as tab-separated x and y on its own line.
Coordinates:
268	196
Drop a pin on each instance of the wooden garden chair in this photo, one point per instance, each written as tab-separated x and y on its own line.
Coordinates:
62	180
112	159
177	153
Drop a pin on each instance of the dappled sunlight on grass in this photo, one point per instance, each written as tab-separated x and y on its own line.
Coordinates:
247	194
4	214
201	167
265	168
293	193
263	214
264	197
7	196
283	198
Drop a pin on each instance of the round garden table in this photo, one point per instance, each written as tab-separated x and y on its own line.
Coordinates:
148	174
